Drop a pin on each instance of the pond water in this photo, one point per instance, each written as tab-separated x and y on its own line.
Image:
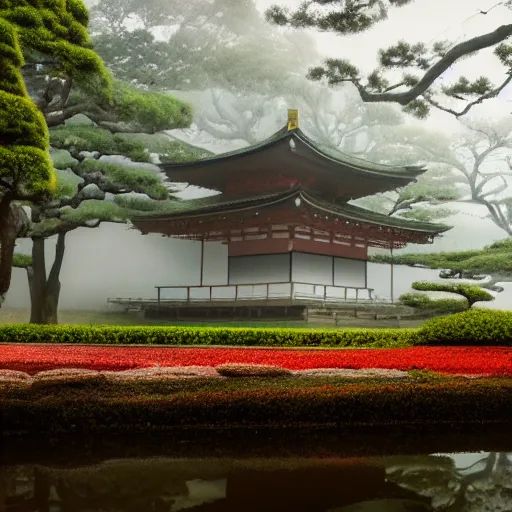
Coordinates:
222	474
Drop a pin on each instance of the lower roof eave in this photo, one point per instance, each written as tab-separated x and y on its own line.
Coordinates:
231	207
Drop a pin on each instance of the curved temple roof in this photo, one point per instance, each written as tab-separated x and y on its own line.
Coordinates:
293	153
194	210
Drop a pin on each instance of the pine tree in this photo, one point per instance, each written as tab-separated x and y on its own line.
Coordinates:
58	31
420	64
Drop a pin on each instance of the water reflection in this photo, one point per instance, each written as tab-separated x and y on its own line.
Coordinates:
440	482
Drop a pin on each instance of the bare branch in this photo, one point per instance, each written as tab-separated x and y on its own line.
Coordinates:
57	118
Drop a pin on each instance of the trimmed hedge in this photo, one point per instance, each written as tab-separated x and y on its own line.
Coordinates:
83	411
473	327
424	302
472	292
226	336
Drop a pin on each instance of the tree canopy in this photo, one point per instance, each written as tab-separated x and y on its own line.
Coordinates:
197	44
57	30
49	74
420	64
101	177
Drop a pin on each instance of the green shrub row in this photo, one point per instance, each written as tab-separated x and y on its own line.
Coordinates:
472	292
473	327
422	301
226	336
453	401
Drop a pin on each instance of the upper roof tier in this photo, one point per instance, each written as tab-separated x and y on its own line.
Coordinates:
288	159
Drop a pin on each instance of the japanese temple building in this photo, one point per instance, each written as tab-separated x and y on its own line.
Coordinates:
283	212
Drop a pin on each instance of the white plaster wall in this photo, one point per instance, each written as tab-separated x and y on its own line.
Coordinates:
311	268
268	268
379	278
349	272
114	261
215	263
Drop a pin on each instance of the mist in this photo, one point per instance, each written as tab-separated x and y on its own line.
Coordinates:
114	260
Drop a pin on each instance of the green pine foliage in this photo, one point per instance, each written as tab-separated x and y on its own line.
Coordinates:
22	260
136	146
413	61
145	111
67	183
93	210
423	302
142	181
155	110
24	157
141	206
494	259
90	138
471	292
58	29
169	150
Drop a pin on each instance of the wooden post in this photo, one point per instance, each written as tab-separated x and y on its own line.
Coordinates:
158	293
188	293
202	264
392	278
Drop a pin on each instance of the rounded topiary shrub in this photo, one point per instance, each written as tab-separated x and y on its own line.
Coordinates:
472	292
474	327
422	301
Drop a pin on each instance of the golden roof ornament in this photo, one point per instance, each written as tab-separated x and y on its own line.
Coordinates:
293	119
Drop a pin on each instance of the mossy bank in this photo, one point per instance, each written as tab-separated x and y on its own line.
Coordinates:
97	407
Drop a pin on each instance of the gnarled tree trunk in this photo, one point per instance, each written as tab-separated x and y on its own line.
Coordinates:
12	223
45	291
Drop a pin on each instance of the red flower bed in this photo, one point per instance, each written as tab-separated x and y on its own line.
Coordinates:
465	360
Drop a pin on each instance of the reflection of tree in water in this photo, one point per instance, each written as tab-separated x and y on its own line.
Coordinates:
395	484
113	486
215	485
484	486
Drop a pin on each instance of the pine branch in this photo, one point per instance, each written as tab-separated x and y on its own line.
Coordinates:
433	73
491	94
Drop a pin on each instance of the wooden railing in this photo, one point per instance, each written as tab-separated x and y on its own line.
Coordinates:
266	292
